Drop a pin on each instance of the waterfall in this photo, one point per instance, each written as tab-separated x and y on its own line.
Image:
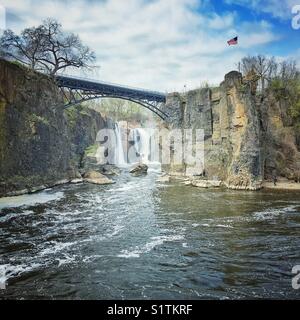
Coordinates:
119	153
141	139
141	149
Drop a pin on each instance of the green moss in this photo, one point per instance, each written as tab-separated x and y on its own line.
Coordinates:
19	64
91	150
83	109
72	115
38	119
85	112
74	112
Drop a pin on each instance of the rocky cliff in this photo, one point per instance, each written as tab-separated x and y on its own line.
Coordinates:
246	137
281	138
40	144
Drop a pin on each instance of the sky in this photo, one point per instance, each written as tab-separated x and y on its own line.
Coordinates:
167	44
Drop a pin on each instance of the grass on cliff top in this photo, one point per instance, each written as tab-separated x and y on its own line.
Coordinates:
25	69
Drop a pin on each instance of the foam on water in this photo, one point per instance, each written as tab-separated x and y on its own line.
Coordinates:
7	217
116	230
148	247
273	213
56	247
8	271
263	215
224	226
66	260
30	200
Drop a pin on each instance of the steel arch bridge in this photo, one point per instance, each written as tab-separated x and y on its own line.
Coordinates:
77	90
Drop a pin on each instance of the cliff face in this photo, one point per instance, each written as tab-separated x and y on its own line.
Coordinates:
246	139
40	144
281	139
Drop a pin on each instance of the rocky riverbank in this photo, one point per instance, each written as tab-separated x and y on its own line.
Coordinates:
282	184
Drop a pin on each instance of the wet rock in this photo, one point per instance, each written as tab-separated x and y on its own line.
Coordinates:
206	184
245	185
78	175
59	183
77	181
139	170
17	193
110	170
95	177
37	189
164	179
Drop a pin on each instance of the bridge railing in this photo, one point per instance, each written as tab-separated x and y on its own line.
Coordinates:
110	84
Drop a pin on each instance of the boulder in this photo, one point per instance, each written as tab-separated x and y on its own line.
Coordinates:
97	178
110	170
37	189
139	170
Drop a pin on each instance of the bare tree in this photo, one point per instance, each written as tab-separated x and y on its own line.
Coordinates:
264	67
288	71
47	48
63	50
25	48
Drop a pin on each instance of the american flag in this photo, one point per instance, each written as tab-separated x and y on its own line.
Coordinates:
233	41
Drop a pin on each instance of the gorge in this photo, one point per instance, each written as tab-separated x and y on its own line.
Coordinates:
143	237
247	137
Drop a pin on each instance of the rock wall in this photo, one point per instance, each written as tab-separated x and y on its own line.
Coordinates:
281	139
231	122
40	144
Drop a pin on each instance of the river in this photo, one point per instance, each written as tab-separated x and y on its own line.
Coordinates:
140	239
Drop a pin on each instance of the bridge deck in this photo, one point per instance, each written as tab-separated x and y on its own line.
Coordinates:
109	89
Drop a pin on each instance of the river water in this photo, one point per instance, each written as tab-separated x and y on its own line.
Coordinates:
140	239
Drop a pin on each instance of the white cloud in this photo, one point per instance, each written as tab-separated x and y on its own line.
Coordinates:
277	8
157	44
